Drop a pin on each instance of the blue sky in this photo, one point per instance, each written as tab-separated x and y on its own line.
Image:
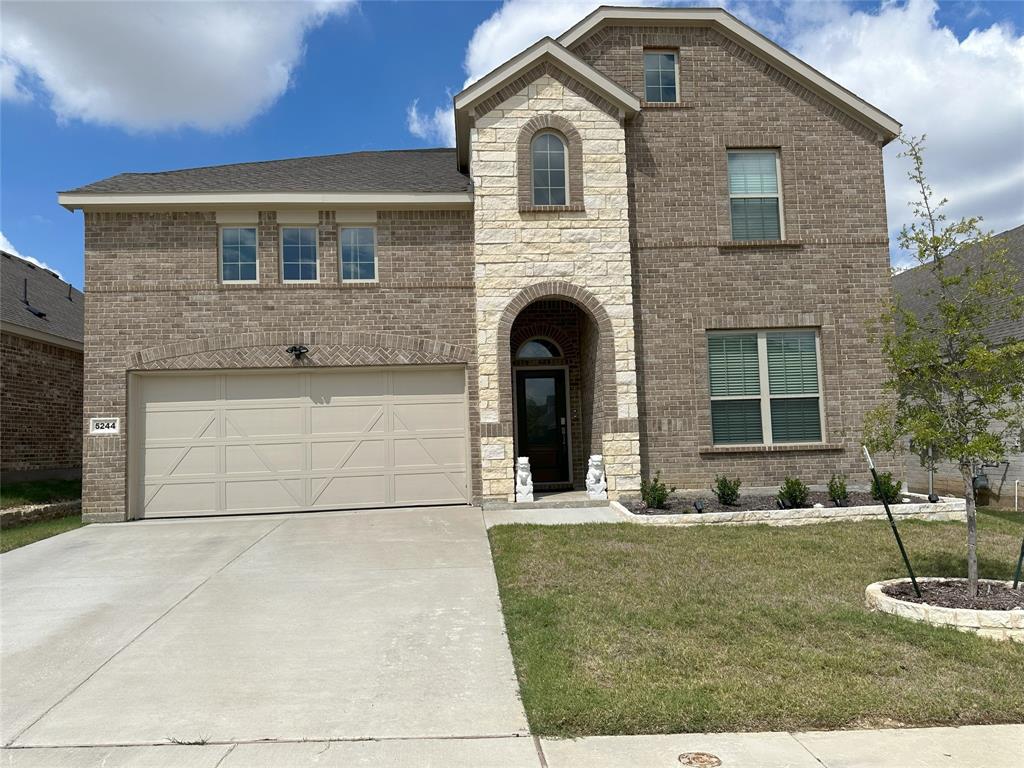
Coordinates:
348	77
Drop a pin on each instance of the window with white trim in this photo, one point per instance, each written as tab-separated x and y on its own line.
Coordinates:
661	77
765	387
550	169
755	201
358	254
299	255
238	255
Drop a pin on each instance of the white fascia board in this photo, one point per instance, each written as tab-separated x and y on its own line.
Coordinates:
753	41
264	200
547	48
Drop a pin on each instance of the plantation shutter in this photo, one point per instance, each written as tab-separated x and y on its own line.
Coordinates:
796	420
736	421
732	363
754	196
792	363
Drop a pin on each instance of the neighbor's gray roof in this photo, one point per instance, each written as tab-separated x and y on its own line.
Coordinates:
910	285
402	170
46	292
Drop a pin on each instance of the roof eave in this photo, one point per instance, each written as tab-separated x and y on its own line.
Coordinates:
887	127
545	49
73	201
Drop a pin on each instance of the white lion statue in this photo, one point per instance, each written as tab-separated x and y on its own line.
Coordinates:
524	479
597	485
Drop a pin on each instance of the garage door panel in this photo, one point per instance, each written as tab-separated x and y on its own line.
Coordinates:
181	425
242	442
175	461
263	422
428	451
429	487
418	417
263	386
327	388
172	499
264	457
347	419
353	490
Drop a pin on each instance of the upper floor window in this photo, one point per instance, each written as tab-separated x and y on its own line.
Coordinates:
660	77
550	169
238	255
754	198
358	254
299	254
764	387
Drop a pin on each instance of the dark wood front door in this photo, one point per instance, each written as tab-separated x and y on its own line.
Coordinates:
543	427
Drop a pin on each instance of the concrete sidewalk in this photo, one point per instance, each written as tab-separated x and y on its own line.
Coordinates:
985	746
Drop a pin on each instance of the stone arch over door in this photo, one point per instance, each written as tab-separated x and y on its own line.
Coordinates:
591	306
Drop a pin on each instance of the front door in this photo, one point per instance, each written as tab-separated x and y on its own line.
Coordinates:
543	429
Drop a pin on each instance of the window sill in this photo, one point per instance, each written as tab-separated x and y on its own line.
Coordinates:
571	208
665	105
779	448
359	283
729	244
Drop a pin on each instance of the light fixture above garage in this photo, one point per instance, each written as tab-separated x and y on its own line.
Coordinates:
297	350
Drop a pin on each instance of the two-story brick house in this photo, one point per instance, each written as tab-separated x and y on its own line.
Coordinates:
659	238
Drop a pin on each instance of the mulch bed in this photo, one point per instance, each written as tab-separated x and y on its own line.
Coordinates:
681	504
952	593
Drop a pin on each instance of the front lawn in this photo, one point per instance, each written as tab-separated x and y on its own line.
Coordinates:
39	492
635	629
12	538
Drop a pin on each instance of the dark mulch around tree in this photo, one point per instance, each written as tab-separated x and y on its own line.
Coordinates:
681	504
952	593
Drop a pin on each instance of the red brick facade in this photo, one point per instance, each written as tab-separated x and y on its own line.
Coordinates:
41	403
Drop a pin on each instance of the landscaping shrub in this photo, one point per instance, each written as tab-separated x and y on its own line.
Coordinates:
793	493
654	492
885	488
727	491
837	490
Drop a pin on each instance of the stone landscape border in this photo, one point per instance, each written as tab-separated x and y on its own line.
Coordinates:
33	513
995	625
947	508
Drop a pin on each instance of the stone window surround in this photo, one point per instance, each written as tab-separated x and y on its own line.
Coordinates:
574	160
832	430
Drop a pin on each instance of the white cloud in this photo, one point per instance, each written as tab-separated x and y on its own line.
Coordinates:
148	66
438	125
966	95
10	88
8	246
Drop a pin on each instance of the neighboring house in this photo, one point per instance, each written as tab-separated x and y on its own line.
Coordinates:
1001	478
41	319
659	239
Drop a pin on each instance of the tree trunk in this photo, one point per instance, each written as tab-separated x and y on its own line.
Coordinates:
972	531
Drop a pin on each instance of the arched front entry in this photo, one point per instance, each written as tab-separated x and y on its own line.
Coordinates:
556	372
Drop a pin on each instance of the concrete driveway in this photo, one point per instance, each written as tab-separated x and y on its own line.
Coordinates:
367	625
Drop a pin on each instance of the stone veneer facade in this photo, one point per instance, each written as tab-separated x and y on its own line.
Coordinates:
564	253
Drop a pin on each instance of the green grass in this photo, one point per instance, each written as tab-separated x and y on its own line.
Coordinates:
39	492
636	629
12	538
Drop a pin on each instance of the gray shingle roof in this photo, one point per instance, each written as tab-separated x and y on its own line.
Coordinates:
47	293
401	170
909	286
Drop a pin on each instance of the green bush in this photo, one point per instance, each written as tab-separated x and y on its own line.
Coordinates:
793	493
885	488
654	492
837	490
727	491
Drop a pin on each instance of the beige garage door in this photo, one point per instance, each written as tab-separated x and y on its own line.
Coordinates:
239	443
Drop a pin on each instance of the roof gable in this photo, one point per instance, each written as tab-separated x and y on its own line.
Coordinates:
544	52
750	39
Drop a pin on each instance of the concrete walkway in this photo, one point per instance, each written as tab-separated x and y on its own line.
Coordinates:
987	746
372	625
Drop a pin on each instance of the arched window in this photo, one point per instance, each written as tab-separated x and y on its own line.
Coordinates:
538	349
549	169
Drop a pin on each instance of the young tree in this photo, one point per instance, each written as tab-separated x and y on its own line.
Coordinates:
949	388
